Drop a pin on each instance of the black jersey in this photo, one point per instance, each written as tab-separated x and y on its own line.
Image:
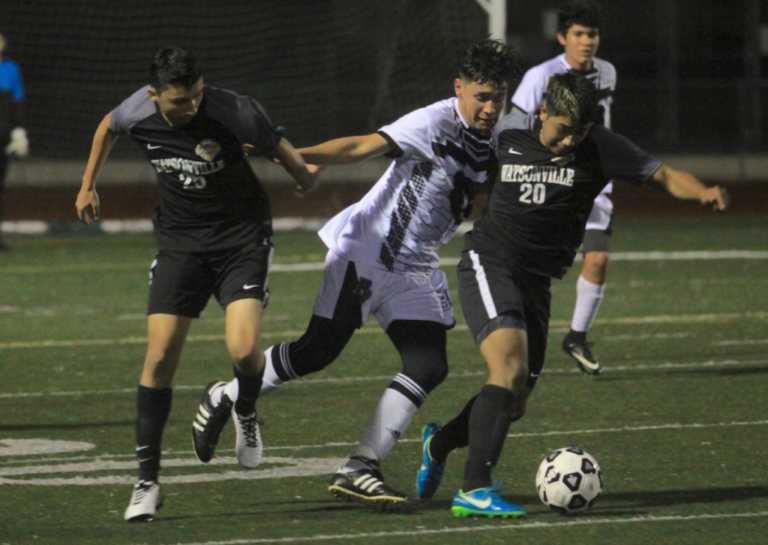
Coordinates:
540	202
210	198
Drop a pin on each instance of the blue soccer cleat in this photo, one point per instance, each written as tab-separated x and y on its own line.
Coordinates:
484	502
430	472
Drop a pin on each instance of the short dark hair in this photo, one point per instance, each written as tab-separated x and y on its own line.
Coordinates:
173	66
572	95
579	12
489	61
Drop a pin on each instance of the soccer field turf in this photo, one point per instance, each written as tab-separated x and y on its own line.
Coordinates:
677	421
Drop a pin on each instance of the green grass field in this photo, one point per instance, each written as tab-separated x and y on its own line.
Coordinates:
677	421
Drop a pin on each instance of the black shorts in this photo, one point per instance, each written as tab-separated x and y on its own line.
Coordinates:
181	283
495	295
596	240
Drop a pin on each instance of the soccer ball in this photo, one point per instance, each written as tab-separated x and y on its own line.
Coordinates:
569	480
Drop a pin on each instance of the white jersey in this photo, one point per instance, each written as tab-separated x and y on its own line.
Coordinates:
532	88
420	200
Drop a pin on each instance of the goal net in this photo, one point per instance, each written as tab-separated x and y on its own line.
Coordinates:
321	68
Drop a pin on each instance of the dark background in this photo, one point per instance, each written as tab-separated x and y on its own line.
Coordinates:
691	73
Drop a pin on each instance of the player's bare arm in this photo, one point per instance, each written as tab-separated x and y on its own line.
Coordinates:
348	149
87	204
291	160
684	185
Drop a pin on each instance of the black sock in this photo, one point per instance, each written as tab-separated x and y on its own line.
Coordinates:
153	407
488	425
282	368
455	434
580	336
248	387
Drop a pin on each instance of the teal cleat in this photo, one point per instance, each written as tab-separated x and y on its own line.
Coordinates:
484	502
430	472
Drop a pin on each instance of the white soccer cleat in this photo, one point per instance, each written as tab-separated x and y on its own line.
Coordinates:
248	446
145	502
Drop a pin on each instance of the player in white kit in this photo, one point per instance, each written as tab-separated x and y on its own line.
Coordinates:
579	24
383	259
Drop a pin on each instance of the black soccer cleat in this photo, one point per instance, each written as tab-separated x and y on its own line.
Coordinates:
577	347
208	423
366	486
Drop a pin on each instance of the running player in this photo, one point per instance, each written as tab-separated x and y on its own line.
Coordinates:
551	167
214	232
383	255
579	24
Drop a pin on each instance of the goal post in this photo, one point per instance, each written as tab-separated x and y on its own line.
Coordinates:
497	18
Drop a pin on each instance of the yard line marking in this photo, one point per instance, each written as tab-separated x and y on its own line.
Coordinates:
710	364
554	433
501	526
275	467
644	336
740	342
688	255
375	329
108	458
652	255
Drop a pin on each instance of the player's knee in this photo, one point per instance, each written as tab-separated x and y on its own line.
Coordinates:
513	375
245	353
428	373
421	345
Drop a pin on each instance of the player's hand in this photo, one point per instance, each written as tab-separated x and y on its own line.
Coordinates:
88	206
308	181
717	197
18	146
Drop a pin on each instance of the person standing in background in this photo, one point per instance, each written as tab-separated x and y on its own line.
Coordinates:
578	32
13	136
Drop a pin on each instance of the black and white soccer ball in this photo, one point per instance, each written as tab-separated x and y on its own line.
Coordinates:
569	480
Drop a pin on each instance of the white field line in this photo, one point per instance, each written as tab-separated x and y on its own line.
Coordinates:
740	342
708	364
472	528
372	329
274	467
180	457
703	255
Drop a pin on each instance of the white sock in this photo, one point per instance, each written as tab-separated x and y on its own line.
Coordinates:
271	380
230	388
588	299
390	420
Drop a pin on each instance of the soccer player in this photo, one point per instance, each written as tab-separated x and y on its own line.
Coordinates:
213	227
551	167
579	25
13	136
383	255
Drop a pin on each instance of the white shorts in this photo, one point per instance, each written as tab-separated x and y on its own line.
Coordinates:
600	216
393	295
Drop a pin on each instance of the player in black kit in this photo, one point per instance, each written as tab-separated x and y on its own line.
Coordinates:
552	166
214	231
